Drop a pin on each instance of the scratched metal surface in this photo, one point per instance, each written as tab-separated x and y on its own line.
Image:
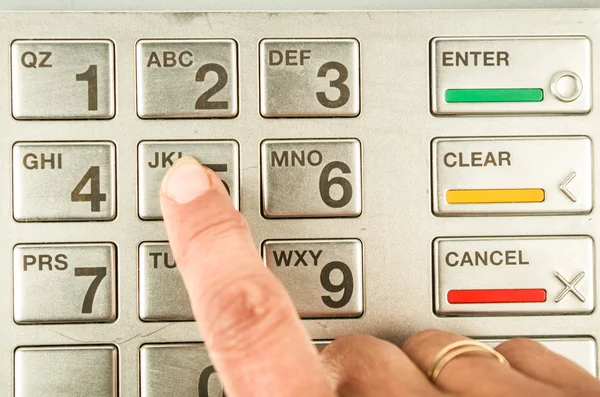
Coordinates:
395	127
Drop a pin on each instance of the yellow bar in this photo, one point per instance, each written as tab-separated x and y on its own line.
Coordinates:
495	196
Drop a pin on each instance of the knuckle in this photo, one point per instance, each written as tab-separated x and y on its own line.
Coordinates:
421	338
245	313
517	345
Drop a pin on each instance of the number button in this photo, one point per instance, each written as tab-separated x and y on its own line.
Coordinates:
178	370
311	178
66	371
63	79
324	277
162	293
155	157
187	78
64	181
64	283
309	78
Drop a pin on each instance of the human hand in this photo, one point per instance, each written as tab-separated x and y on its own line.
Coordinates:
260	348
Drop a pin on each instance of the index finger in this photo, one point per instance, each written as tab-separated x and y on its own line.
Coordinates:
251	329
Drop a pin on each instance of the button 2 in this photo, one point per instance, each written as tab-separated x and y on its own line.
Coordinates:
64	283
64	181
309	78
311	178
187	78
323	277
155	157
514	275
63	79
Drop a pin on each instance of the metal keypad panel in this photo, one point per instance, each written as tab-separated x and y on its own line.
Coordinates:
162	294
511	176
74	371
323	277
311	178
187	78
511	75
63	79
514	275
397	194
64	283
309	78
64	181
155	157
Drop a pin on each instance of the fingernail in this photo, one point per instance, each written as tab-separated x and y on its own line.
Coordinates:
185	181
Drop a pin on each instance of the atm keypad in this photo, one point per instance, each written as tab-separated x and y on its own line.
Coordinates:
64	283
63	79
64	181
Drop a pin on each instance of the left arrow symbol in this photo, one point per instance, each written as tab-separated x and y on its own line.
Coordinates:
563	187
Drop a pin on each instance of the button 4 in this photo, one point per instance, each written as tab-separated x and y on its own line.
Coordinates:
64	181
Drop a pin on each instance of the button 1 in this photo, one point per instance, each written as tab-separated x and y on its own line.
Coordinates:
155	157
63	79
162	294
511	75
323	277
580	350
64	283
514	275
311	178
178	370
79	371
64	181
187	78
309	78
512	176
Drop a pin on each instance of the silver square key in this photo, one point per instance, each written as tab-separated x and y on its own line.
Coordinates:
155	157
162	294
323	277
309	78
64	181
187	78
177	370
311	178
73	371
63	79
64	283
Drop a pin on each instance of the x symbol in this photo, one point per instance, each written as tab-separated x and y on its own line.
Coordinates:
569	287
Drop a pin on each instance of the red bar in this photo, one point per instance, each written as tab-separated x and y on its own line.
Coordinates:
458	297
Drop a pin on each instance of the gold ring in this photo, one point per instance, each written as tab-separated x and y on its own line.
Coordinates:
456	349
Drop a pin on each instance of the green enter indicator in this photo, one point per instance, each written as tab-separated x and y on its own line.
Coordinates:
495	95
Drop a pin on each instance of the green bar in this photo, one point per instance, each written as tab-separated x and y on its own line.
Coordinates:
495	95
